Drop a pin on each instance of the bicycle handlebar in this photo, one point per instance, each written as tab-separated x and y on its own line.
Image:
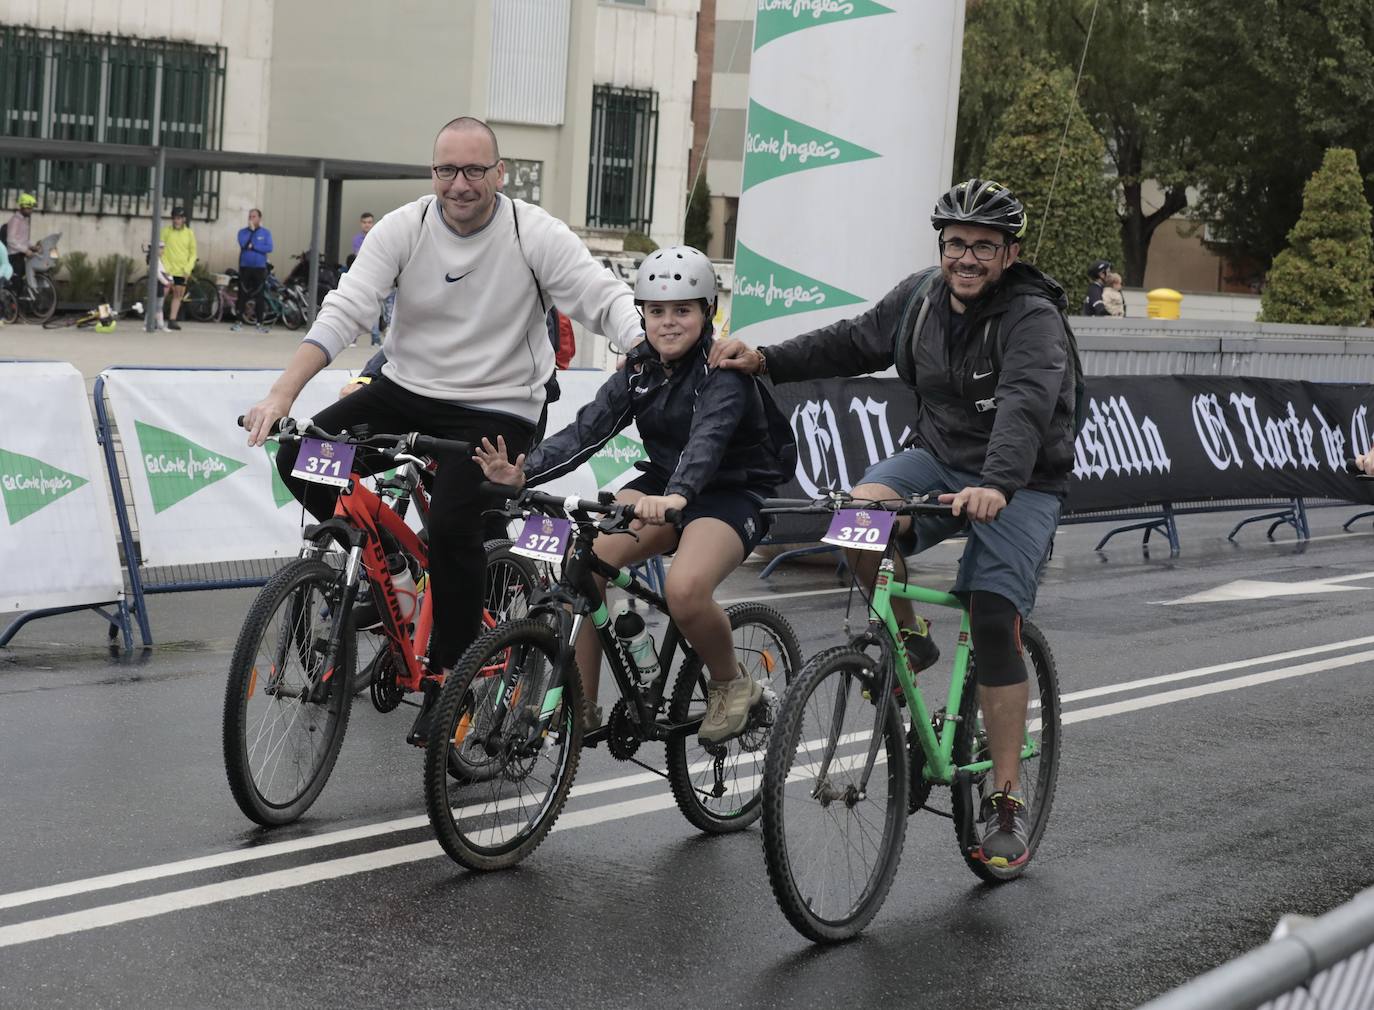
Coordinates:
916	505
566	503
291	430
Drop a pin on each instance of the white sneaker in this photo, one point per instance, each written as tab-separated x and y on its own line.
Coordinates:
727	708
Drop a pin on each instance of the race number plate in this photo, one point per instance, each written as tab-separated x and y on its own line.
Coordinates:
324	462
543	538
864	529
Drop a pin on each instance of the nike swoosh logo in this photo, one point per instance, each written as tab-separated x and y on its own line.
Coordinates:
981	375
455	280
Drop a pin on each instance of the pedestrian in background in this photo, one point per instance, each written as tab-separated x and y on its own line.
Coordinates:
18	239
364	226
1112	297
180	259
1092	301
255	242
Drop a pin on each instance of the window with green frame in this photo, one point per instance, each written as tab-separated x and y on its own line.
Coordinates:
620	180
115	90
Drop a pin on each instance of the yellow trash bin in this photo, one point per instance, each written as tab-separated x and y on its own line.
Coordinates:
1162	303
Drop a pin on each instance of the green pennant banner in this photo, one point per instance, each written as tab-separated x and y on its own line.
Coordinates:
766	290
177	467
777	18
775	145
29	484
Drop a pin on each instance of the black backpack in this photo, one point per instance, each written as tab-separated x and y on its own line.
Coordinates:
921	295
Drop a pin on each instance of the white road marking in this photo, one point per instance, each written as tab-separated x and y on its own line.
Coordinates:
1259	589
142	908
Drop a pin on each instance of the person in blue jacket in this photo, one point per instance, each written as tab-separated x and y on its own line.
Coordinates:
255	242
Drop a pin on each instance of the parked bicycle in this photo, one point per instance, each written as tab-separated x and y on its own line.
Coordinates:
842	772
358	585
36	302
513	703
280	304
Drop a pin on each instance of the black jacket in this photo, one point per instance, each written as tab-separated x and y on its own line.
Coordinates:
701	429
1093	305
1026	439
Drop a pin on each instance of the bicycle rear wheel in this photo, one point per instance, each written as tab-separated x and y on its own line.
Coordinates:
202	301
285	713
1039	772
528	737
717	786
9	306
832	847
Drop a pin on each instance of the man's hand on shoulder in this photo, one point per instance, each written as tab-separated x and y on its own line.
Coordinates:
737	355
980	503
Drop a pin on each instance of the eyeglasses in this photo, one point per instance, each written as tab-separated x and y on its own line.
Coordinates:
472	173
983	251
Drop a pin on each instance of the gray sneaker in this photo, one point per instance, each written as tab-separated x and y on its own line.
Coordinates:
727	708
591	715
1005	838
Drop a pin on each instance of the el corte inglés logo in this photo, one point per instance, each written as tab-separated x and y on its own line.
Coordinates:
777	18
775	145
614	458
766	290
177	467
29	484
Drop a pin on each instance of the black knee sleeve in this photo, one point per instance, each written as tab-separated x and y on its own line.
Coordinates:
996	629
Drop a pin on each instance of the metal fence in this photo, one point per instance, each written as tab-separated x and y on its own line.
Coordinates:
108	89
1319	964
620	183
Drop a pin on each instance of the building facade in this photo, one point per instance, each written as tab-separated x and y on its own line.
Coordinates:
591	101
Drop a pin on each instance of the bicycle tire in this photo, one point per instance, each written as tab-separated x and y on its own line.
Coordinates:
202	301
292	314
249	313
799	901
288	594
1039	775
533	645
9	306
41	301
767	648
56	322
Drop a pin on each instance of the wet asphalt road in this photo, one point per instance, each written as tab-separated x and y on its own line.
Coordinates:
1190	815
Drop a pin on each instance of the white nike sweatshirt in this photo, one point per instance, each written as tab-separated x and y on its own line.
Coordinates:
467	326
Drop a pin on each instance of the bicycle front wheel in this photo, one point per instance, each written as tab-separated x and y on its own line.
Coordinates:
202	301
41	302
499	713
285	709
716	786
9	306
1039	771
830	841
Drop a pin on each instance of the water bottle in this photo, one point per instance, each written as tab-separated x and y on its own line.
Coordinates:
634	635
403	582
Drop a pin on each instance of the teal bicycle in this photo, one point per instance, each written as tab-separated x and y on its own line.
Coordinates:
845	768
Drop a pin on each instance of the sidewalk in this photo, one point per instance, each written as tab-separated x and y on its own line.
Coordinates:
195	345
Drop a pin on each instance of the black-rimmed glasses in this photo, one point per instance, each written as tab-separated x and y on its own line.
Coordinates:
983	250
472	173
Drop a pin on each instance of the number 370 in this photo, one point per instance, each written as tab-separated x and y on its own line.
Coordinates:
856	535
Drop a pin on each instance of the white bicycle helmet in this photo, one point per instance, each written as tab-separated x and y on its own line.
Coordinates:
678	273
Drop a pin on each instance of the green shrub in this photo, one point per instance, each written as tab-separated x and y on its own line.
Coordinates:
637	241
1323	278
105	273
1080	224
696	231
78	279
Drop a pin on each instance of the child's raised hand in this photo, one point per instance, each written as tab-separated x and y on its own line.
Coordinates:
495	464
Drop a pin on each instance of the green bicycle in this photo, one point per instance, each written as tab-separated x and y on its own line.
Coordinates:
844	769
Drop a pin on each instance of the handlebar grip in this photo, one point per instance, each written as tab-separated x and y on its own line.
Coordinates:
431	446
277	425
672	516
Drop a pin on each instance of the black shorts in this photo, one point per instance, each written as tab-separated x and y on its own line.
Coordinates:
178	282
737	509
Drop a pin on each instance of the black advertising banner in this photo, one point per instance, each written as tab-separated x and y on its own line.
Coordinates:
1146	440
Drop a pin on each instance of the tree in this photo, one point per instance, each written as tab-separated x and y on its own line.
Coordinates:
1069	202
1324	275
1298	78
696	231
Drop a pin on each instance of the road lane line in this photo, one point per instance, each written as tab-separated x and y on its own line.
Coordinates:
37	929
1204	671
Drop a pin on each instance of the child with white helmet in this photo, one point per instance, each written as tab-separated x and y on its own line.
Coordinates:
712	454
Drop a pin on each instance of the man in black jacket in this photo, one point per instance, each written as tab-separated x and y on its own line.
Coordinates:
994	384
1093	304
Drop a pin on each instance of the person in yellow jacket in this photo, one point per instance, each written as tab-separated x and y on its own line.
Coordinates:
180	259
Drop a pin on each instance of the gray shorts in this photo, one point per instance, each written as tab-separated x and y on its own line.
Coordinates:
1005	556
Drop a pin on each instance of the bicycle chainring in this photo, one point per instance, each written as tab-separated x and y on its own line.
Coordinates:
760	724
386	693
918	788
623	739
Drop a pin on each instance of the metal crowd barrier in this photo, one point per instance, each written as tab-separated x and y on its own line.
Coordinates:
1325	963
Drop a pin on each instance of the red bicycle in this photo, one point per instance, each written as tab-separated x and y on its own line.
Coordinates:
358	587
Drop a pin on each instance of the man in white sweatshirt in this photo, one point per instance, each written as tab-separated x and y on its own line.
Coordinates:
468	351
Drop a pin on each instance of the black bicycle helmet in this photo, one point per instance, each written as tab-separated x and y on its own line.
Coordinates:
1098	268
981	202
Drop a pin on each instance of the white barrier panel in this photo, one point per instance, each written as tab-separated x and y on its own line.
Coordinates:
850	140
200	492
607	469
57	535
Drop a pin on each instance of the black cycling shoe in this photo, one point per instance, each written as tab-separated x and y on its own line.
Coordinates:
419	730
921	650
